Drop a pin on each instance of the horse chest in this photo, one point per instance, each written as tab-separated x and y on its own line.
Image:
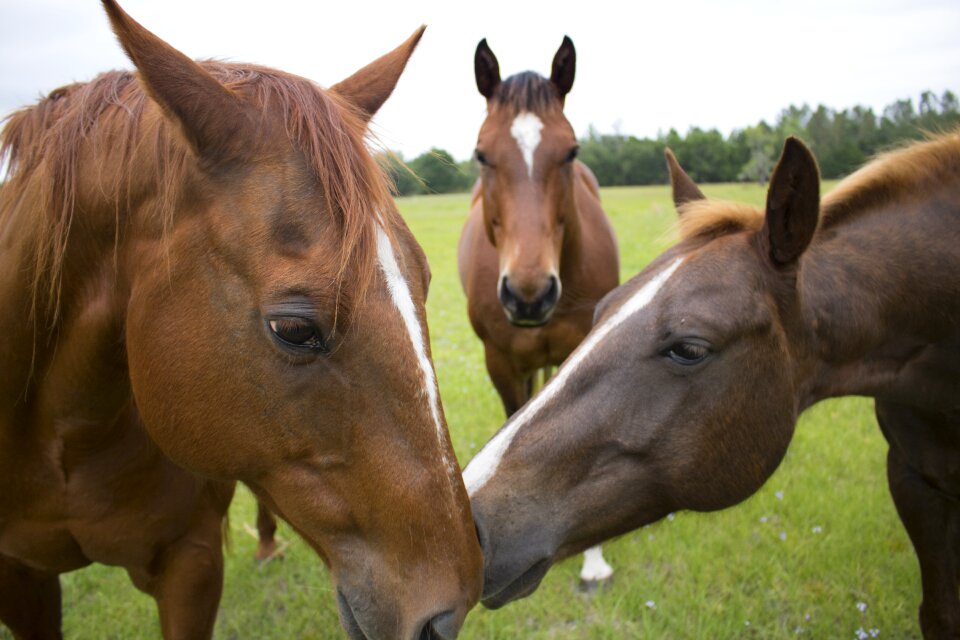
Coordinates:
77	499
546	346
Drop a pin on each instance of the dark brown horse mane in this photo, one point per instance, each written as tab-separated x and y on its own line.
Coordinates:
527	91
43	144
890	176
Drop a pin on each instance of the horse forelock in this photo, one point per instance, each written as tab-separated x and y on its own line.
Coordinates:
527	91
713	218
42	144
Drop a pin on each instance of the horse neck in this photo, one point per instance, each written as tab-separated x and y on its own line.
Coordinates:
572	249
878	294
62	270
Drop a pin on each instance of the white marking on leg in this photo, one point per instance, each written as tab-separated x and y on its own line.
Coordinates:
595	568
485	463
400	293
526	131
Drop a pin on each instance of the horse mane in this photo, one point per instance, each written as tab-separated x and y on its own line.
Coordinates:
917	167
42	145
914	168
527	91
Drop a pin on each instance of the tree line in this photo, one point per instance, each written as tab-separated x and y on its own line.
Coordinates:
841	140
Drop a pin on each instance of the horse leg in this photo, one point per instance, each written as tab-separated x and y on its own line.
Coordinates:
29	601
932	520
596	572
513	389
186	580
266	533
928	517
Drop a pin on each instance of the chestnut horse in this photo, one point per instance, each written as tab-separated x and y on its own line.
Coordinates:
686	392
204	280
537	251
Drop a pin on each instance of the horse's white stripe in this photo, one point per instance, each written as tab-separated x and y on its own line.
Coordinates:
400	293
526	131
485	463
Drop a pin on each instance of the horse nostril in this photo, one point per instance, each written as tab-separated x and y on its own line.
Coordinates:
553	289
444	626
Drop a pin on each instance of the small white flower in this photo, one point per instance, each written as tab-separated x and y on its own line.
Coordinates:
798	631
670	516
651	604
874	633
649	536
783	535
817	529
746	623
861	634
763	519
807	617
861	606
779	495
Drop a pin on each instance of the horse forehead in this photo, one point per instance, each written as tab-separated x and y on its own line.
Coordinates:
723	289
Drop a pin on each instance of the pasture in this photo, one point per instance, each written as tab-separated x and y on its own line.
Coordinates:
818	553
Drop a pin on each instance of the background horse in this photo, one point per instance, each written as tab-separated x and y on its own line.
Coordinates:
537	251
202	267
686	392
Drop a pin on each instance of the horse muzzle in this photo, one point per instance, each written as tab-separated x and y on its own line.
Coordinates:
362	623
527	306
514	570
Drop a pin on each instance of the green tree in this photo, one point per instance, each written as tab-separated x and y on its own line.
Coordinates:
440	172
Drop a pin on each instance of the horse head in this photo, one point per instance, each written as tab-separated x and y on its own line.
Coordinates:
276	329
526	150
682	396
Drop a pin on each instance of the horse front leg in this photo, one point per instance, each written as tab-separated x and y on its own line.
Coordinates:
932	521
923	471
596	572
29	601
513	388
186	580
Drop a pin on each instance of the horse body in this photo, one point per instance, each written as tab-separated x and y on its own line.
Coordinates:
686	392
204	281
537	251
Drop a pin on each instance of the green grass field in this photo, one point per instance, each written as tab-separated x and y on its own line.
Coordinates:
817	553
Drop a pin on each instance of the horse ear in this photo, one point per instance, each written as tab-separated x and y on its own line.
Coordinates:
684	188
370	87
487	69
793	203
564	67
214	120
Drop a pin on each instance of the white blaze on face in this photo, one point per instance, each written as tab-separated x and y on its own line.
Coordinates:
400	294
526	131
485	463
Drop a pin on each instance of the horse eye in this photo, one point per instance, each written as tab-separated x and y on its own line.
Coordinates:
573	154
297	332
481	158
687	353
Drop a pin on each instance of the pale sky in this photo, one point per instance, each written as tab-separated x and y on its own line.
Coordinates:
642	67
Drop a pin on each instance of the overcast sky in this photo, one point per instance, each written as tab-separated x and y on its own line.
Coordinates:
642	67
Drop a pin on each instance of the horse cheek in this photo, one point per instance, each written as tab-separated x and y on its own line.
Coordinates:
186	382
